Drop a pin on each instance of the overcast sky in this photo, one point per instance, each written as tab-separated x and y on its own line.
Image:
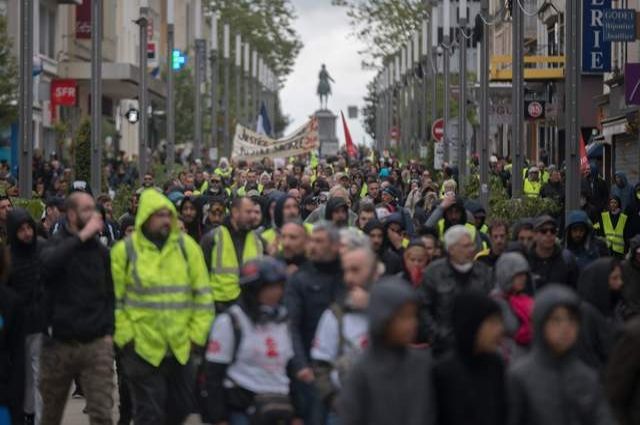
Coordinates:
325	32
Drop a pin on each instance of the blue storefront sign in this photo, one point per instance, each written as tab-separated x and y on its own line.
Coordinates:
619	25
596	52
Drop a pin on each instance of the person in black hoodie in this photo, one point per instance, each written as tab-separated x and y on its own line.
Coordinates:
77	277
337	212
309	292
600	286
391	383
24	278
469	380
631	277
380	245
12	344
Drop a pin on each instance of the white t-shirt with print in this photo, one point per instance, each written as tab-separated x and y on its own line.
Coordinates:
264	352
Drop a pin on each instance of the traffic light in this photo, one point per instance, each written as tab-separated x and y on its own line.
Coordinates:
179	59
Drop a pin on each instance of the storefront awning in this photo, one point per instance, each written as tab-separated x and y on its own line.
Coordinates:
613	126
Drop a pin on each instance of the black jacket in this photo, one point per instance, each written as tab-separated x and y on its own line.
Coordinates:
11	352
77	278
26	270
388	385
310	291
601	313
622	377
631	279
470	386
561	267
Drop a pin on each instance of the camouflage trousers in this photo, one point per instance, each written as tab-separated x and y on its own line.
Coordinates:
92	363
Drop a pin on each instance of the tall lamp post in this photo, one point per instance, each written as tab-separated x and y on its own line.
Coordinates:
462	104
143	129
26	100
200	72
171	110
214	81
225	89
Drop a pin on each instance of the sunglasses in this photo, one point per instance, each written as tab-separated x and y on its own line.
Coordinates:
548	230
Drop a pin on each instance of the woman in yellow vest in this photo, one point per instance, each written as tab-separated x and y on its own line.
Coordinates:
612	226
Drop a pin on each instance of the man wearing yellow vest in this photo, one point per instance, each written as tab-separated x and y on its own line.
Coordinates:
164	309
227	247
612	226
532	183
449	213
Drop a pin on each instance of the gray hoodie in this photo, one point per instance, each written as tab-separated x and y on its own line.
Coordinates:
545	389
388	385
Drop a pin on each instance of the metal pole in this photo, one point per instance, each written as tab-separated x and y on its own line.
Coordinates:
238	77
446	51
171	110
517	133
96	96
433	42
214	100
143	129
462	107
26	99
572	102
484	110
201	65
225	92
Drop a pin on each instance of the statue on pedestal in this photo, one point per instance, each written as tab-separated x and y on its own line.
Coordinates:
324	86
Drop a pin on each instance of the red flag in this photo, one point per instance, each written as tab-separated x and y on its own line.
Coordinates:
351	150
584	160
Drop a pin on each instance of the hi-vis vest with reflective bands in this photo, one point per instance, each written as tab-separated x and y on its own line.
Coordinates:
160	311
470	227
225	270
614	236
532	189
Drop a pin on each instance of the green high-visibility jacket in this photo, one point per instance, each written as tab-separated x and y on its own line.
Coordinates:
614	236
164	298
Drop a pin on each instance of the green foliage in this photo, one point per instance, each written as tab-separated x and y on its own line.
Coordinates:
121	200
8	77
82	151
268	26
35	207
184	104
382	25
501	206
369	111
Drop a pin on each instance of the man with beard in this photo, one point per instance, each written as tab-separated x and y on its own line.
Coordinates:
286	209
163	312
309	292
337	212
227	248
293	239
581	241
24	278
77	274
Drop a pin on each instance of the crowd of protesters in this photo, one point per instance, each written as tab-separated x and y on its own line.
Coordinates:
319	292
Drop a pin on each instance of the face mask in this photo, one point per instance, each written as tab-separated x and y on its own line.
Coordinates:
463	268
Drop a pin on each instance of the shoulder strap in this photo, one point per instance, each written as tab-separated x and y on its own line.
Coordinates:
131	252
237	334
339	313
183	248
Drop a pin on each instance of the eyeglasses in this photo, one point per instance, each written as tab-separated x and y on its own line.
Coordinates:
548	230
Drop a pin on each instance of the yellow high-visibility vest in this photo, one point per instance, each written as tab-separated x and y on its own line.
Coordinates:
614	236
225	270
532	189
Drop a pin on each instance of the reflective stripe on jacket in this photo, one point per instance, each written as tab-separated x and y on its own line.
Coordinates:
164	299
225	270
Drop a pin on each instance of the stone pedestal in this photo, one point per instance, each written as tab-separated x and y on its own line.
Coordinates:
327	132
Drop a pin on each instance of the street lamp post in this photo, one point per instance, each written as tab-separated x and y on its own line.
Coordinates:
572	99
225	89
96	95
214	81
434	63
517	134
246	83
238	77
446	51
484	110
200	72
462	104
25	166
171	110
143	129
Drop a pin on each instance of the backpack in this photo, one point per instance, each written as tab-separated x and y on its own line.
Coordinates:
344	361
